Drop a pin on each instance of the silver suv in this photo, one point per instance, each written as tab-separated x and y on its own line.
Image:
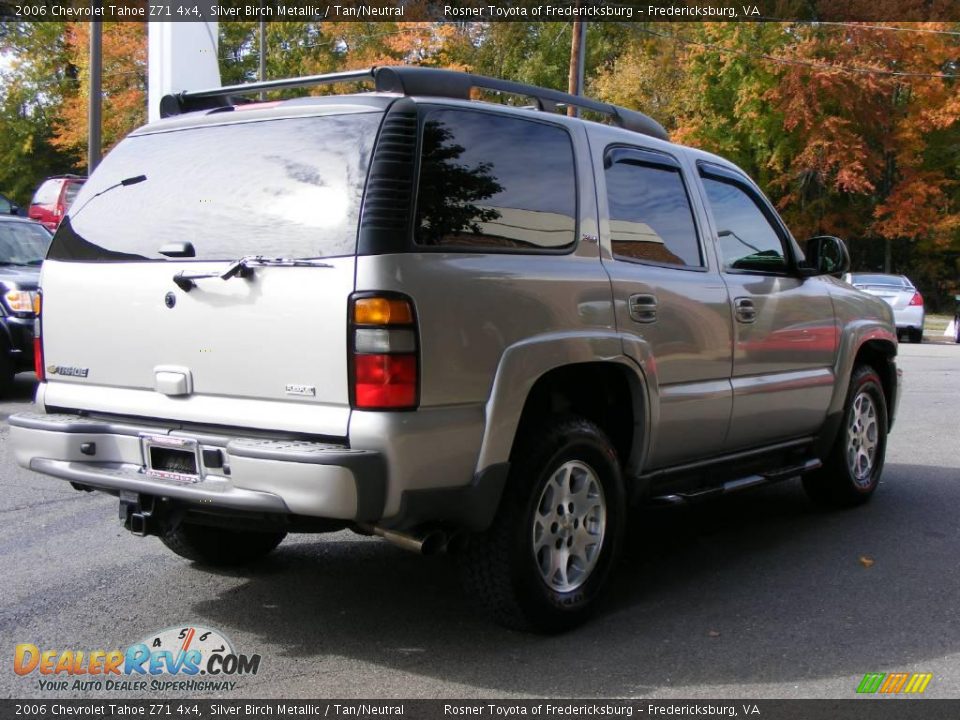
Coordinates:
451	323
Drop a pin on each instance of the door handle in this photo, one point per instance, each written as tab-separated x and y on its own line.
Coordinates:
643	308
745	310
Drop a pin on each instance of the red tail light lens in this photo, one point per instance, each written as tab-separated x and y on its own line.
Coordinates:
917	299
385	381
383	353
38	359
38	366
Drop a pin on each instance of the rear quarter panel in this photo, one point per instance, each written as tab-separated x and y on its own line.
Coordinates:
861	318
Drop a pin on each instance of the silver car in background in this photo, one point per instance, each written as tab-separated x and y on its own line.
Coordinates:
902	296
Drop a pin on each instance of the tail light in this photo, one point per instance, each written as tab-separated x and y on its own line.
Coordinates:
917	299
38	366
384	367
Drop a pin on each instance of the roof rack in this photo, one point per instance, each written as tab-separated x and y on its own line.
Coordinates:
412	80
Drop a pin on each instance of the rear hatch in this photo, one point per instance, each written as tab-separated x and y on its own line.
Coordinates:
129	328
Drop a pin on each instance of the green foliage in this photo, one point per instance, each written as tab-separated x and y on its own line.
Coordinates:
31	90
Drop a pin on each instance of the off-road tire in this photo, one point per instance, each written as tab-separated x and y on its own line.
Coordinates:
849	475
502	567
219	547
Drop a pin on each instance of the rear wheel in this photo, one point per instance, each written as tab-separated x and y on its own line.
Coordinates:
916	335
547	557
217	546
851	472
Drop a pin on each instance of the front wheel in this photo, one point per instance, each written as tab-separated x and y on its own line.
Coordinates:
851	472
546	559
219	547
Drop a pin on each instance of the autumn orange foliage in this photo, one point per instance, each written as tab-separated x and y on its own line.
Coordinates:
124	84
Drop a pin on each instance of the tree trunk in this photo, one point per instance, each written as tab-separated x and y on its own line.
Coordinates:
573	77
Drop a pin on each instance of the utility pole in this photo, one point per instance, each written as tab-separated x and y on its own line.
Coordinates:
96	87
263	52
578	53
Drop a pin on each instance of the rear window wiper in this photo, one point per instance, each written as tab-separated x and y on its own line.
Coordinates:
242	268
126	182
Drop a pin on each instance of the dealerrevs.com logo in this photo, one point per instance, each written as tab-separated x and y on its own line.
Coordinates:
190	658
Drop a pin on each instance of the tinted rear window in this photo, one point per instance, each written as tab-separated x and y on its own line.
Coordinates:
494	182
47	193
282	188
892	280
650	214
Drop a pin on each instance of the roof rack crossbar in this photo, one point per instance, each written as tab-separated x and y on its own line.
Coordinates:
412	80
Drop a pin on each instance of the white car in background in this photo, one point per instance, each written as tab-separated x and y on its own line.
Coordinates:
901	294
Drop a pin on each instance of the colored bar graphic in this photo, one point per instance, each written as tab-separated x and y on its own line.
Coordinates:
918	683
894	683
870	683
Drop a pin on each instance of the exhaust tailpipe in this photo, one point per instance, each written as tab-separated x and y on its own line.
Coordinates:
427	543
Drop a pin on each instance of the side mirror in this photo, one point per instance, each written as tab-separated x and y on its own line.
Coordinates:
827	255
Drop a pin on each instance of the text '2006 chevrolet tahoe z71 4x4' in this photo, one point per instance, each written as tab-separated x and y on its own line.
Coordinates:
447	322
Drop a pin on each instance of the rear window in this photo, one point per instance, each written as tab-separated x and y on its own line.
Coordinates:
280	188
48	193
489	182
891	280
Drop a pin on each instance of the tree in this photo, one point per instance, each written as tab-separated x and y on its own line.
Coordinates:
124	85
39	75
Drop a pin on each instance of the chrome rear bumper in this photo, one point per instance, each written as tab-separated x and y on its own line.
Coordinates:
254	474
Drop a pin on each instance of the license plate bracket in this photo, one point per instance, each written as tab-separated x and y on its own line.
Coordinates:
171	458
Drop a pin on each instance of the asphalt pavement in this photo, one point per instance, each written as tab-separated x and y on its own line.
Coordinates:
755	596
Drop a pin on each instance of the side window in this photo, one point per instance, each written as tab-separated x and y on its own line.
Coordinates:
650	215
494	182
70	193
747	239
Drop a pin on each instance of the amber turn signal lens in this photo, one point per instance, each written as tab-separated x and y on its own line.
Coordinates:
382	311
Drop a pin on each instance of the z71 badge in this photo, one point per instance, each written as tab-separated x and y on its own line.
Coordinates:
67	370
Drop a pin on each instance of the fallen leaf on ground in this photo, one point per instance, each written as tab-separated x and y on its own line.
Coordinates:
866	561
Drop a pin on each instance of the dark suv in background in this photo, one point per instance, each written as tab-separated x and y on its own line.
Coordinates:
9	207
23	245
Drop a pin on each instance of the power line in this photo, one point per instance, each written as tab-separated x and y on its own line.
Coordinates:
865	26
802	63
